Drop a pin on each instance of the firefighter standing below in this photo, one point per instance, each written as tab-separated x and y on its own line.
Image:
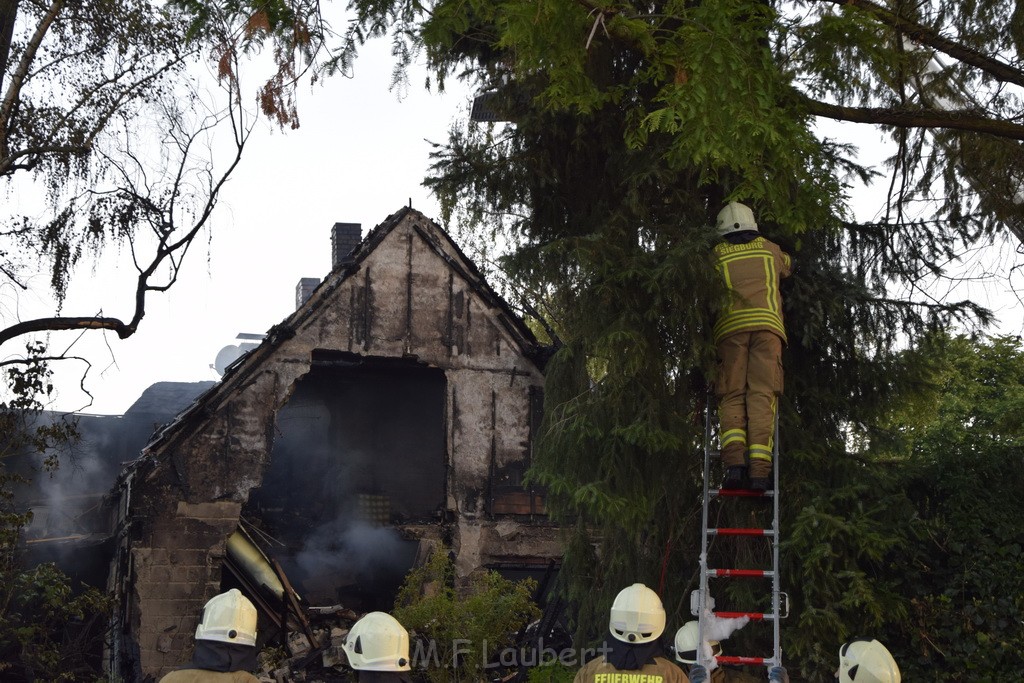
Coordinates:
685	648
636	623
377	647
225	650
864	660
749	335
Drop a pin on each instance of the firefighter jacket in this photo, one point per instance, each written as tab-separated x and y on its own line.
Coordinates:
207	676
659	671
751	272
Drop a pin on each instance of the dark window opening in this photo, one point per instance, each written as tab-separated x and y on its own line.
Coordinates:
360	447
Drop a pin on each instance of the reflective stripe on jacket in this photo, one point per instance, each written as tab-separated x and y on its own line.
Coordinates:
752	272
659	671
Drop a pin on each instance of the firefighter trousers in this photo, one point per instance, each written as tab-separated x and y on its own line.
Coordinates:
748	385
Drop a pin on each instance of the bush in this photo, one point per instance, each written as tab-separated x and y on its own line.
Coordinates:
459	635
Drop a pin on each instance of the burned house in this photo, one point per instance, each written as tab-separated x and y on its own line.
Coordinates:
392	413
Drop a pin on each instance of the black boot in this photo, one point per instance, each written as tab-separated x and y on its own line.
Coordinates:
734	477
760	483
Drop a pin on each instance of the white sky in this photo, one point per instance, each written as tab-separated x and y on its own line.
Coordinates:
359	155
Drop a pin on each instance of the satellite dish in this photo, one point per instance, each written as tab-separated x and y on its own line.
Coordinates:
229	354
225	357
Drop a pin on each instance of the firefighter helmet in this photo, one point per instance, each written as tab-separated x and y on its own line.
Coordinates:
377	642
228	618
637	615
686	644
864	660
735	217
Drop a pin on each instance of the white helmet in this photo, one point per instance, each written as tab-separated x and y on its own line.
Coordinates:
686	643
735	217
637	615
867	661
377	642
228	618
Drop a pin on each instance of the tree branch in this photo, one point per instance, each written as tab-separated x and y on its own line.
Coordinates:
62	323
40	359
8	15
18	78
916	118
927	36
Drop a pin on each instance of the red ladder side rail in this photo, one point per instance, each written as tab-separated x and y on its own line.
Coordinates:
742	573
732	531
740	493
753	616
726	659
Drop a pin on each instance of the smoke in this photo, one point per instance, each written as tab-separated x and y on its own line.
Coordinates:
64	485
351	547
717	628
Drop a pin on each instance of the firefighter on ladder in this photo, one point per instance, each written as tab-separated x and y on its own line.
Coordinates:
749	335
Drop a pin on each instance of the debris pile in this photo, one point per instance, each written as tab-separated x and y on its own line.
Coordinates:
313	653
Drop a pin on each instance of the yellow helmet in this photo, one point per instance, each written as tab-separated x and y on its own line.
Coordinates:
735	217
228	618
377	642
864	660
637	615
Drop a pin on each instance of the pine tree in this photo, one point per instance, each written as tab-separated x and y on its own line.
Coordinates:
626	126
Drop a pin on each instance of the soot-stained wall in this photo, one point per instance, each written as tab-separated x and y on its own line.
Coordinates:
457	410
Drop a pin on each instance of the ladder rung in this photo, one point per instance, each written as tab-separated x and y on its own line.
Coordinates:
731	531
740	493
748	573
753	616
729	659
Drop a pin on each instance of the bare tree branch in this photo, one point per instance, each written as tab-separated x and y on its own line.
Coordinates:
916	118
41	359
158	206
65	323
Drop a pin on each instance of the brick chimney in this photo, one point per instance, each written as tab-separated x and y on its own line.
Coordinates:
304	289
344	238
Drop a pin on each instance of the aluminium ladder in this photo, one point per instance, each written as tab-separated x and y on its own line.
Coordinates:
701	602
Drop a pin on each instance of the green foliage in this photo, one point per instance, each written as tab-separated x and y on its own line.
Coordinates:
915	538
962	572
26	384
620	154
48	630
554	672
458	632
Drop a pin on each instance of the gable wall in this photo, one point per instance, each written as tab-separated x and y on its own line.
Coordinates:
406	300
